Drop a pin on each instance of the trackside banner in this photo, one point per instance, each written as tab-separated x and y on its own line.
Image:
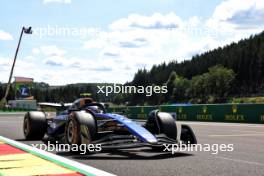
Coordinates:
23	87
241	113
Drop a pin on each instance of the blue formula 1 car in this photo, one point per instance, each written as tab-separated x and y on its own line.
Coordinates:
86	122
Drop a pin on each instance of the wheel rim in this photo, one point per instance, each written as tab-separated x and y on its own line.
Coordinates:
26	126
70	131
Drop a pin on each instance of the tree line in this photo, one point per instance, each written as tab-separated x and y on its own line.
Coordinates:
240	66
43	92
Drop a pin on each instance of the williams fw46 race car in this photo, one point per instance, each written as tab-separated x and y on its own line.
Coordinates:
87	122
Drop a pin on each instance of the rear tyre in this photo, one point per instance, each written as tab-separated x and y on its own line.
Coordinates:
80	129
35	125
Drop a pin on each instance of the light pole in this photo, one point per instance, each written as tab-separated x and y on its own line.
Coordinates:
3	100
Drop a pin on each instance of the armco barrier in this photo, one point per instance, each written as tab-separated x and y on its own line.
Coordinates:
242	113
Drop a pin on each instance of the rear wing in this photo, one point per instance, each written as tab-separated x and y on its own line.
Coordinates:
57	106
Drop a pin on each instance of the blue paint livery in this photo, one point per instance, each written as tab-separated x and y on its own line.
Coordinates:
133	127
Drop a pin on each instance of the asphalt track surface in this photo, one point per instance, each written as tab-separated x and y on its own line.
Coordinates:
246	159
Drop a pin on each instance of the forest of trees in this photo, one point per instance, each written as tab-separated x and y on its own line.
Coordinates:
242	64
214	86
236	70
43	92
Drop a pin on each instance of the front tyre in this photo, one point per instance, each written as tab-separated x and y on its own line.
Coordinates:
35	125
80	129
161	123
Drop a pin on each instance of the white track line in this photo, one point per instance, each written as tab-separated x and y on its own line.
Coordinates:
222	124
235	135
60	159
12	113
240	161
10	121
247	131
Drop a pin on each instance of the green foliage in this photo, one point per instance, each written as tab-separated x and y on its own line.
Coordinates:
68	93
213	86
248	100
177	86
245	58
245	75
